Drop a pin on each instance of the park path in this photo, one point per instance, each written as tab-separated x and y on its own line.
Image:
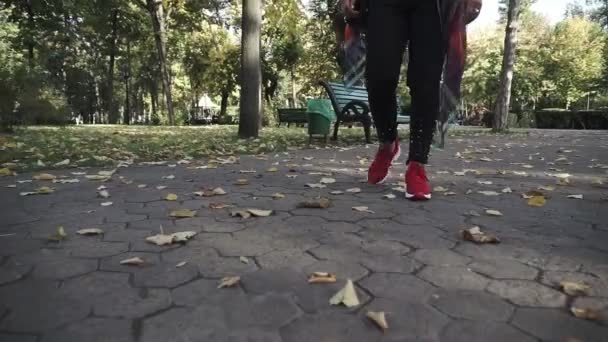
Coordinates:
406	259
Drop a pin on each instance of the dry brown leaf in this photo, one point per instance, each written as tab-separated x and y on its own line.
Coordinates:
320	203
171	197
167	239
278	195
573	288
229	282
537	201
259	212
240	213
183	236
493	212
244	260
488	193
563	181
89	231
506	190
136	261
347	296
379	318
218	205
439	189
241	181
475	234
586	313
59	235
273	169
44	177
183	213
321	278
363	209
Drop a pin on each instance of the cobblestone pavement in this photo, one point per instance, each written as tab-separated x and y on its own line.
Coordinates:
405	258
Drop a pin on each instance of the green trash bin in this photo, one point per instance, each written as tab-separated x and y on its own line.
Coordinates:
320	116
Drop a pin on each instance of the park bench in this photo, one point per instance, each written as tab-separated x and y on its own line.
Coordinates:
351	104
292	115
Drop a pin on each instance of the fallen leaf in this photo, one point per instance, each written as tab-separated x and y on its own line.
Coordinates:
260	212
5	172
247	171
169	177
527	166
320	203
44	190
240	213
389	196
575	196
353	190
475	234
244	260
450	193
103	194
337	192
459	173
62	163
182	263
44	177
66	181
485	182
273	169
167	239
379	318
241	182
563	181
586	313
278	195
218	205
182	213
472	213
161	187
89	231
439	189
183	236
308	158
363	209
229	282
96	177
506	190
101	187
136	261
572	288
485	159
327	181
347	296
488	193
316	186
321	278
493	212
171	197
106	204
59	235
537	201
291	176
141	186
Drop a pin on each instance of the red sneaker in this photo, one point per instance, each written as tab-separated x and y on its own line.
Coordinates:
418	187
378	171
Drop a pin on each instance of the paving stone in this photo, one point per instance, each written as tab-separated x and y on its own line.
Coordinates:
165	275
471	331
412	236
454	278
86	247
96	284
342	270
323	327
472	305
121	216
292	258
385	248
394	264
126	235
55	264
208	261
397	286
113	263
254	335
503	269
527	293
13	270
556	325
412	319
186	325
93	330
598	287
202	291
340	227
17	338
440	257
14	245
273	310
131	303
151	224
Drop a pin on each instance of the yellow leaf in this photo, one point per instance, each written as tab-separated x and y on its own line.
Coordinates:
44	190
278	195
273	169
572	288
241	182
171	197
183	213
439	189
347	296
5	172
44	177
475	234
537	201
136	261
59	235
229	282
586	313
321	278
379	318
90	231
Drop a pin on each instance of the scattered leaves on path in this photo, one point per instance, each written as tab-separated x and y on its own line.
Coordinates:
90	231
182	213
136	261
229	282
573	288
347	296
379	318
475	234
167	239
321	278
171	197
59	235
493	212
575	196
320	203
363	209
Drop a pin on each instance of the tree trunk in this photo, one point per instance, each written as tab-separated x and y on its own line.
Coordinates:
30	39
251	71
224	104
154	101
501	113
112	113
127	114
293	86
155	8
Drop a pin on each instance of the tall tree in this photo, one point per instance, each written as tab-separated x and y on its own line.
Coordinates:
503	100
251	70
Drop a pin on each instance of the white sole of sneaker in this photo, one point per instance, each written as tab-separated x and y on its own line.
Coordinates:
417	198
397	155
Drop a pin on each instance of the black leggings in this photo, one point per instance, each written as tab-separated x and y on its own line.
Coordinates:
392	24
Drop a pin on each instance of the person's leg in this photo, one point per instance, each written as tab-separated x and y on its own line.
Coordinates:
386	39
424	77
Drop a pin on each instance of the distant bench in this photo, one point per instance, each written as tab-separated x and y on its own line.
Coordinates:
292	115
351	104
